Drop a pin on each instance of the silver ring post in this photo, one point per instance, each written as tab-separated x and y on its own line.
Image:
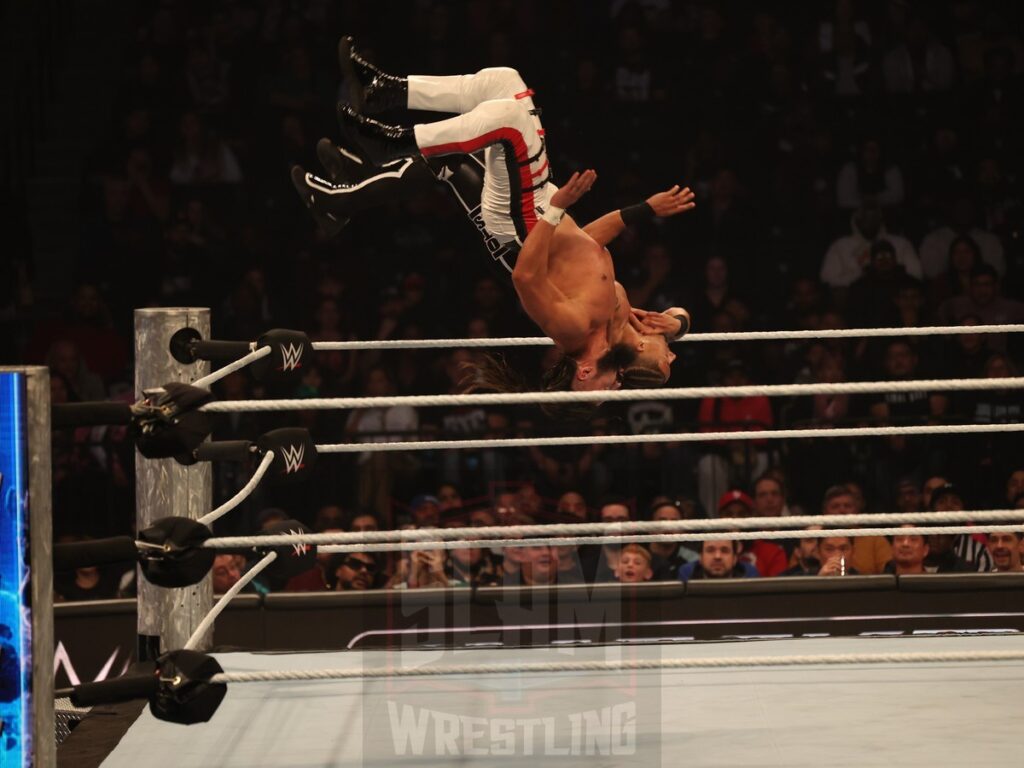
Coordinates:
168	617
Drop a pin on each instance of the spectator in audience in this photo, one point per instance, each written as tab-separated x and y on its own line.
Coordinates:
901	363
909	551
719	559
870	553
835	555
1005	549
727	463
668	556
871	178
928	488
805	556
362	521
63	358
472	567
329	516
536	566
961	241
449	498
572	507
634	565
770	496
227	570
982	300
270	517
908	497
965	547
848	255
919	63
379	472
426	511
1015	485
767	557
353	571
202	158
599	564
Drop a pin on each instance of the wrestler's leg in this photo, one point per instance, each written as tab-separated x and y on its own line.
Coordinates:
373	90
354	186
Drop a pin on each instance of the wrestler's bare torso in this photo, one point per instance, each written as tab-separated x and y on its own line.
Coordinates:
582	270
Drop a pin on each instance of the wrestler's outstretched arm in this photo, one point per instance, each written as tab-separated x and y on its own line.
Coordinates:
667	203
563	320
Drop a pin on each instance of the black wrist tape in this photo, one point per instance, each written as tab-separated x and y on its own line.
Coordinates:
684	326
634	214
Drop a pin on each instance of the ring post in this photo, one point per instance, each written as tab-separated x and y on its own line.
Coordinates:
168	617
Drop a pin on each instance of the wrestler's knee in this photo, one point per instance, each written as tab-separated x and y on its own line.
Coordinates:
504	80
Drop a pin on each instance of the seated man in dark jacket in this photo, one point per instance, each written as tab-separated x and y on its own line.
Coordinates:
718	560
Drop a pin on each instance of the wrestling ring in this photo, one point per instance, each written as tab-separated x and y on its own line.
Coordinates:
894	697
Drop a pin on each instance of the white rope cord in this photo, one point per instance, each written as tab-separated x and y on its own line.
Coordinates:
227	597
668	437
227	370
620	665
571	541
793	522
544	341
243	494
666	393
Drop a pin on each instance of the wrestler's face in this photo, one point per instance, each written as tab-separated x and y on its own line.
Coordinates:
654	352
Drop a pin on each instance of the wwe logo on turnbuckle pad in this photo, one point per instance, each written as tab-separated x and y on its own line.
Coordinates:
291	357
293	456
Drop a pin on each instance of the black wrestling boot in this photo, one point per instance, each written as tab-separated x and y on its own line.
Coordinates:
330	211
371	90
342	166
378	142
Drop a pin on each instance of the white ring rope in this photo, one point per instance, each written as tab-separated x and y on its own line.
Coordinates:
227	597
668	437
794	522
620	665
667	393
243	494
544	341
571	541
227	370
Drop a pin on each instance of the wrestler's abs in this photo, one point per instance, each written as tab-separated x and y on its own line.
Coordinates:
584	272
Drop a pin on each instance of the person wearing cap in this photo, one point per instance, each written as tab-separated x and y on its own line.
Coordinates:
767	557
963	547
425	510
719	559
870	553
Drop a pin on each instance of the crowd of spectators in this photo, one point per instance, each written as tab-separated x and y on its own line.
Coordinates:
856	164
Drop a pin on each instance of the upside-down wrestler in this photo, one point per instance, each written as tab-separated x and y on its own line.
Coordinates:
563	274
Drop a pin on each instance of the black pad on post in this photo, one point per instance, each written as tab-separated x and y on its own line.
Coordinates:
294	454
182	561
292	559
175	426
290	352
184	695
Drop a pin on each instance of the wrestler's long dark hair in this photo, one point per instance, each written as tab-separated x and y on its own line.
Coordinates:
492	373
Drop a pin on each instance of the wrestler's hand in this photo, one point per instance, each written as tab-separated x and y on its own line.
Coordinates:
672	201
575	188
657	323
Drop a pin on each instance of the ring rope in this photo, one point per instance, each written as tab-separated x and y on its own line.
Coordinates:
569	541
668	437
544	341
243	494
794	522
212	378
667	393
207	622
827	659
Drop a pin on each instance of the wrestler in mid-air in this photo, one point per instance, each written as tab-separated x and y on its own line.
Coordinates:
563	274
